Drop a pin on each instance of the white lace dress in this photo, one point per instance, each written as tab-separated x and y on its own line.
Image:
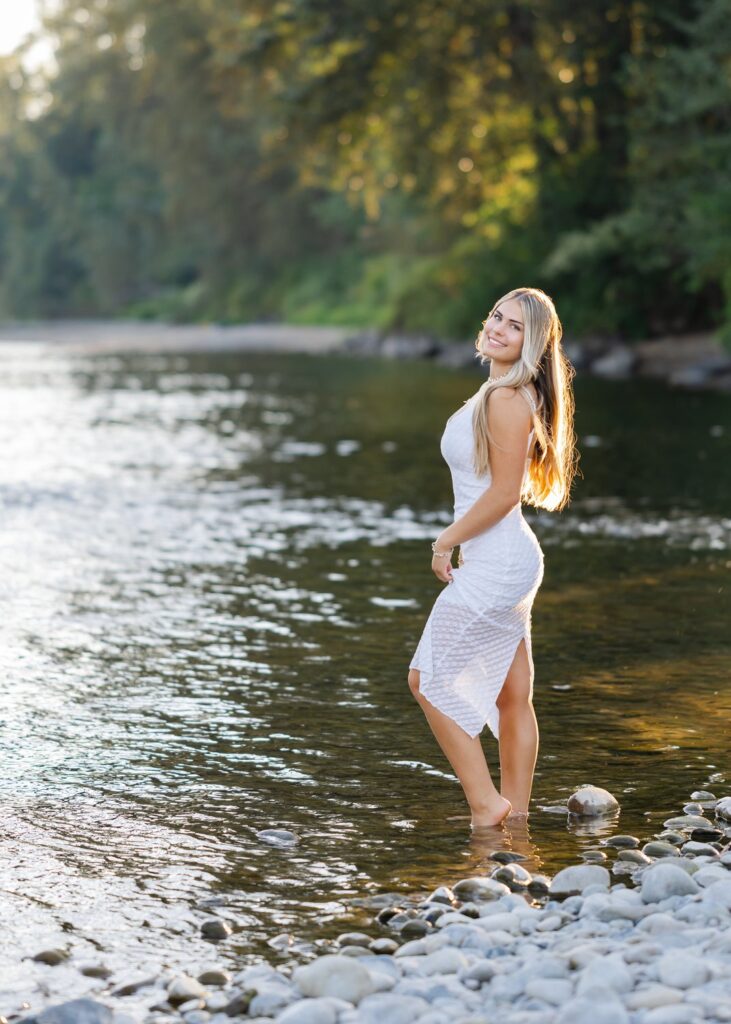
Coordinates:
478	620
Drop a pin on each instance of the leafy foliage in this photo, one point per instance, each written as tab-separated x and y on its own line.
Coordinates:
398	164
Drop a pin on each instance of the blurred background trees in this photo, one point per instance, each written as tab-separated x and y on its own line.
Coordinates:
397	164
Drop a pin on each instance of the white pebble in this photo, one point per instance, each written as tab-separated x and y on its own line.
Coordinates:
444	961
309	1011
333	975
577	878
555	991
682	969
662	880
653	995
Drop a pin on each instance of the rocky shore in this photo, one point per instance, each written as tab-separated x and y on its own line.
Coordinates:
693	361
640	933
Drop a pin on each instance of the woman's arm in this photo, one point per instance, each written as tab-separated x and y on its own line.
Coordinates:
510	422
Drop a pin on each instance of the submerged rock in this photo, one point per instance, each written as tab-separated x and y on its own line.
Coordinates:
622	842
278	836
480	889
592	801
658	848
688	821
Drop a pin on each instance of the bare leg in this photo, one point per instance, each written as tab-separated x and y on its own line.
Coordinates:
518	733
467	758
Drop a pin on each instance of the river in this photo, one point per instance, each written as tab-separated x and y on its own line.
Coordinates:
214	568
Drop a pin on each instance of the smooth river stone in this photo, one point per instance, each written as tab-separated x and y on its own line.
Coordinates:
591	802
593	856
391	1008
383	947
723	808
52	957
653	995
76	1011
633	857
610	971
216	929
480	889
354	939
594	1009
709	874
699	849
622	842
309	1011
658	848
442	894
555	991
682	969
277	836
443	961
681	1013
183	988
214	976
577	878
688	821
666	879
334	975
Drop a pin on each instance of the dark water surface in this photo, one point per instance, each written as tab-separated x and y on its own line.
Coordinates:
214	570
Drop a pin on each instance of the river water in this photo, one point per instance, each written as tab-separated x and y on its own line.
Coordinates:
214	569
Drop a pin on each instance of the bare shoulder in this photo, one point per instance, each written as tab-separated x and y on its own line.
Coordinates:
510	402
507	410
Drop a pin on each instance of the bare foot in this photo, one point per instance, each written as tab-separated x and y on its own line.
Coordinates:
493	816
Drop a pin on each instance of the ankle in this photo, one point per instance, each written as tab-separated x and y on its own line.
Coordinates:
495	803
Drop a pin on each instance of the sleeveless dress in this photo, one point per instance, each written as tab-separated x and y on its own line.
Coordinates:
478	620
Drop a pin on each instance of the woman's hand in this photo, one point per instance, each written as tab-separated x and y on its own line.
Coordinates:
442	563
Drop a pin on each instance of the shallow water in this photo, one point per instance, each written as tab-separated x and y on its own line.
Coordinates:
214	569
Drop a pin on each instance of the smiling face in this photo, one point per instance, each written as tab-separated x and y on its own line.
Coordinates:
502	335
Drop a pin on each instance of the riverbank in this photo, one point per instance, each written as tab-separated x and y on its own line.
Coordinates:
691	360
640	933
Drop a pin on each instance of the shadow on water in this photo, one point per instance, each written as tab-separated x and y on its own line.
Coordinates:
215	569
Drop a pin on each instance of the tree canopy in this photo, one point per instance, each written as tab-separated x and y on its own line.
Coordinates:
399	163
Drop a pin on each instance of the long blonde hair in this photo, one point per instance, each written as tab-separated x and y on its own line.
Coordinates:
554	456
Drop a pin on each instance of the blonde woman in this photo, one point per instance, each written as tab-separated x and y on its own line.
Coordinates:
511	442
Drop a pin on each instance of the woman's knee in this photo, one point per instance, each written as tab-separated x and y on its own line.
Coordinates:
414	681
510	701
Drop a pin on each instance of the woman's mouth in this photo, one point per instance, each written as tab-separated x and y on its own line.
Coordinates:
492	341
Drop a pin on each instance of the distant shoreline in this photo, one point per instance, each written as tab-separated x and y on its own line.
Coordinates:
692	360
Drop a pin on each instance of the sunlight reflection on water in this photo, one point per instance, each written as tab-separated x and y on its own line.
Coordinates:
213	575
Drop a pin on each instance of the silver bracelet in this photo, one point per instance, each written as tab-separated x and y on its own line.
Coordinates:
441	554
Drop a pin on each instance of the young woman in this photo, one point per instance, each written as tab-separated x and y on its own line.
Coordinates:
512	441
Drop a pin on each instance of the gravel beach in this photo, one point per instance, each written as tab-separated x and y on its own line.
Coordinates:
640	933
